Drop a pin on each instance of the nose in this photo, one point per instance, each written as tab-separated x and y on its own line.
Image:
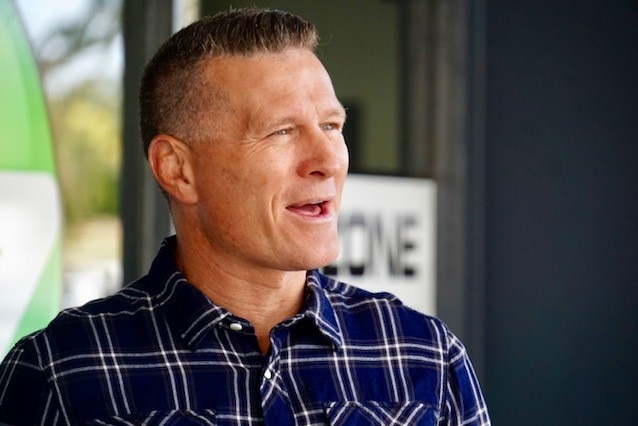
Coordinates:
322	156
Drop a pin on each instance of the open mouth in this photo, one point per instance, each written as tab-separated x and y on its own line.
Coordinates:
318	209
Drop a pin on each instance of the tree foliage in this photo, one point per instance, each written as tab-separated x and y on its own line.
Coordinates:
86	129
85	114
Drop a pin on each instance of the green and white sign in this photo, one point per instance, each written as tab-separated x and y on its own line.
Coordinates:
30	208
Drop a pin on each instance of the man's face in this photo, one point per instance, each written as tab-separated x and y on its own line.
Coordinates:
269	180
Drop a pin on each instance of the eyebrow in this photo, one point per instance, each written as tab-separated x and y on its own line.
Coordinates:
338	112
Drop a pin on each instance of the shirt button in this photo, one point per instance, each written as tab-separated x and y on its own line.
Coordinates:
235	326
268	374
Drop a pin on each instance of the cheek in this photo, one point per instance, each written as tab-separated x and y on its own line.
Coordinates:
235	194
217	188
344	160
248	180
342	154
345	155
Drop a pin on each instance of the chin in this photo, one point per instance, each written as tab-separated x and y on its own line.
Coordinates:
319	260
311	253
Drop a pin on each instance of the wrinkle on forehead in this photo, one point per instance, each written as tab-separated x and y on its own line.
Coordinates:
278	69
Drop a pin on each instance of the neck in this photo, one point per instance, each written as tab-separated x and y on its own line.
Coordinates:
263	297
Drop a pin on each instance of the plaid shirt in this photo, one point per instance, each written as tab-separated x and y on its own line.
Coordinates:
160	352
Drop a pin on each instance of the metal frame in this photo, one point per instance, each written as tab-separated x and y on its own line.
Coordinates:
443	110
143	210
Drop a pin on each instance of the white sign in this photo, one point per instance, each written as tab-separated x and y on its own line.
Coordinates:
387	233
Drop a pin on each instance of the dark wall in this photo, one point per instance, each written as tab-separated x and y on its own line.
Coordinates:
562	212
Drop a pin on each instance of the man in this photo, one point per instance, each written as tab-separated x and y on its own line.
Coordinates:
233	324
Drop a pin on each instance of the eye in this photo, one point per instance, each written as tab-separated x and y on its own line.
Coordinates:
330	126
282	132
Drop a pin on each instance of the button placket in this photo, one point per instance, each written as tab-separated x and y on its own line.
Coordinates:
270	369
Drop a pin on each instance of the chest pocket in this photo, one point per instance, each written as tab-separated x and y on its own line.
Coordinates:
360	413
164	418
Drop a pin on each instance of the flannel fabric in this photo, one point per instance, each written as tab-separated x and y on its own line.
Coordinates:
160	352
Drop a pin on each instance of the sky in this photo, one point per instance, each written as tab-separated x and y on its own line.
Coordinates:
39	17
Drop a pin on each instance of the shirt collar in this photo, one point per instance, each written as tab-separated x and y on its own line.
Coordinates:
187	310
192	315
319	308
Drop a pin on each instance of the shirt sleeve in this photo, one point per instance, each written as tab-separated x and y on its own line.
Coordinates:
25	395
465	404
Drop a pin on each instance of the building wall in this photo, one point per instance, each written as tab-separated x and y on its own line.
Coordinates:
562	212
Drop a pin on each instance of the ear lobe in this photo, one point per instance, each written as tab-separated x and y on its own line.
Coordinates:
171	163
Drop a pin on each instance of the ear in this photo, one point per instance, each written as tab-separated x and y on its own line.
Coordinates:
171	162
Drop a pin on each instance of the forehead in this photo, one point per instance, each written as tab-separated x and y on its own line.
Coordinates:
272	79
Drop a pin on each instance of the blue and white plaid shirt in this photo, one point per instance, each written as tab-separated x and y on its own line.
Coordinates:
160	352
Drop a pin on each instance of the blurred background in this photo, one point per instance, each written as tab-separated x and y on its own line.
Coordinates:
524	114
79	52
